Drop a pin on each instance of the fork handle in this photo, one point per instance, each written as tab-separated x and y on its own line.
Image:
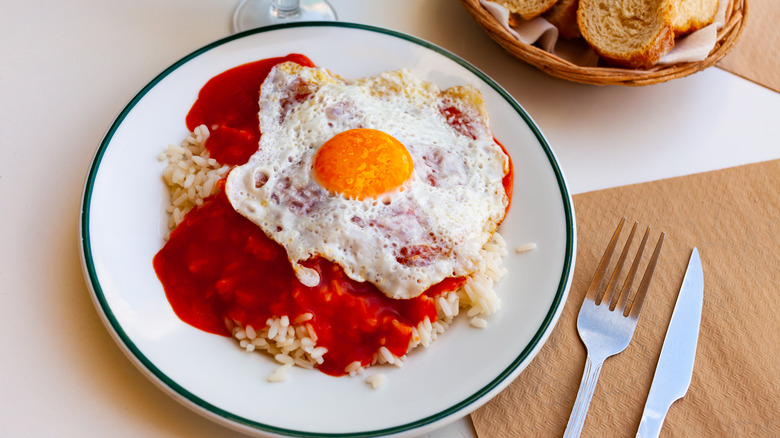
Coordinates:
589	377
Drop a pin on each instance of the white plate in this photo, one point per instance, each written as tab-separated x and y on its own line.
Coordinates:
123	223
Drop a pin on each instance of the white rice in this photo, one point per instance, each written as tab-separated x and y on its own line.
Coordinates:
375	380
478	322
191	176
355	368
525	248
280	374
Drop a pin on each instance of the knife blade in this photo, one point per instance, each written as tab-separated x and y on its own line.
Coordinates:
675	364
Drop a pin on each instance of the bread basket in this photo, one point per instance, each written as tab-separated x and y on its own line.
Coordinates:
558	67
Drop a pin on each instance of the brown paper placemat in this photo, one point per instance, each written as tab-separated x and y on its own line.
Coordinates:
755	56
733	217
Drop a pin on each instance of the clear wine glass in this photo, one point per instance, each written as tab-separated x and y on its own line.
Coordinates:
250	14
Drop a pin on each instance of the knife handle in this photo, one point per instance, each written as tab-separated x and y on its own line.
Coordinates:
589	378
652	421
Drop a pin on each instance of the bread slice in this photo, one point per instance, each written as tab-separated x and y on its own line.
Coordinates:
563	15
628	33
527	9
692	15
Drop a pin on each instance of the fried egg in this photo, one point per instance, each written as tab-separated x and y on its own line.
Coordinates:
393	179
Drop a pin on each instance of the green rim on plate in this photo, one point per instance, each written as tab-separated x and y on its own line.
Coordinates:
182	393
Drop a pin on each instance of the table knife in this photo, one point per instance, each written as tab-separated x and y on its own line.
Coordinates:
675	364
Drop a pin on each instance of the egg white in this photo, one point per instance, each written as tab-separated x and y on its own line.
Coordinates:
449	208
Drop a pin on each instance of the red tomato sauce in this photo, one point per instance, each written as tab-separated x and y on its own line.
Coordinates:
509	178
228	106
218	265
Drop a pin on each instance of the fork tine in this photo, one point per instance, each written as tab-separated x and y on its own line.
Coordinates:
626	289
598	277
636	306
608	293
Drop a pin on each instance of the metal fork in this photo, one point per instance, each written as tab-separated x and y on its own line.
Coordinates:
606	322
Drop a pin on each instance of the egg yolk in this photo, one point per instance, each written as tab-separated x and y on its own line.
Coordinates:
361	163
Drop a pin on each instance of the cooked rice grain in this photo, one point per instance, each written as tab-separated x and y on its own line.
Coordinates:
478	322
376	380
280	374
525	248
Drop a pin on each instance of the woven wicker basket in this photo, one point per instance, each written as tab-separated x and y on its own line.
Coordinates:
555	66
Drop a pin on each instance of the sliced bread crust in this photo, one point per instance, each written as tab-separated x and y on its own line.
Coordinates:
628	33
692	15
527	9
563	15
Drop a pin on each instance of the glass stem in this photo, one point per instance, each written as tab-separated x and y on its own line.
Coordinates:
285	8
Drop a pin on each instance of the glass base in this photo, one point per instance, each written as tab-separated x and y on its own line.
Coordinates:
250	14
